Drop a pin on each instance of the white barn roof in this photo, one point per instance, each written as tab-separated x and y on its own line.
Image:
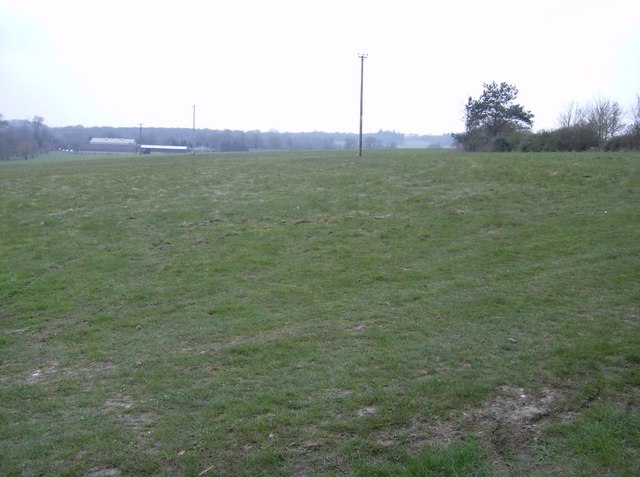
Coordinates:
112	141
168	148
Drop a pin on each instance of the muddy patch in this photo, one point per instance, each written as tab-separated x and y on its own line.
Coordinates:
509	421
140	424
119	401
337	393
514	418
418	434
42	374
123	406
52	371
109	472
366	411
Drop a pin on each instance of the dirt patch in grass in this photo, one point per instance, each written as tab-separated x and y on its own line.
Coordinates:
52	371
119	401
41	374
366	411
337	393
314	457
109	472
508	422
122	404
514	418
421	434
139	424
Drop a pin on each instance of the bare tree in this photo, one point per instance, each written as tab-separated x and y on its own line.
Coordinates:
633	130
634	111
37	123
605	118
26	149
4	143
573	115
615	124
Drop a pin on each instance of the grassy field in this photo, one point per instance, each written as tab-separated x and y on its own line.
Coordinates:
404	313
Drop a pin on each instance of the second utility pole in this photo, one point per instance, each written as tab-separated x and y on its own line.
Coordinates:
362	57
193	132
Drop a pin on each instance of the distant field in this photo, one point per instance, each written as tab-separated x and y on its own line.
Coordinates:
314	313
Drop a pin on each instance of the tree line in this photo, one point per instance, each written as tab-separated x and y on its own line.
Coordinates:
494	122
24	139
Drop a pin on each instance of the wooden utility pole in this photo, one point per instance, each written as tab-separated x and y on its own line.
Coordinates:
193	133
362	58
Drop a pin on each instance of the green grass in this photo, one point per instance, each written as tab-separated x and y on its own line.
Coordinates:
313	313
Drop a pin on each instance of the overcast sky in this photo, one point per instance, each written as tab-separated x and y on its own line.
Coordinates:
292	65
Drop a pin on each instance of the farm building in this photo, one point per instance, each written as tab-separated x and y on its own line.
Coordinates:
155	148
108	145
112	145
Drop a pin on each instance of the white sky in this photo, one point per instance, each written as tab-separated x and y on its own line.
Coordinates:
292	65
